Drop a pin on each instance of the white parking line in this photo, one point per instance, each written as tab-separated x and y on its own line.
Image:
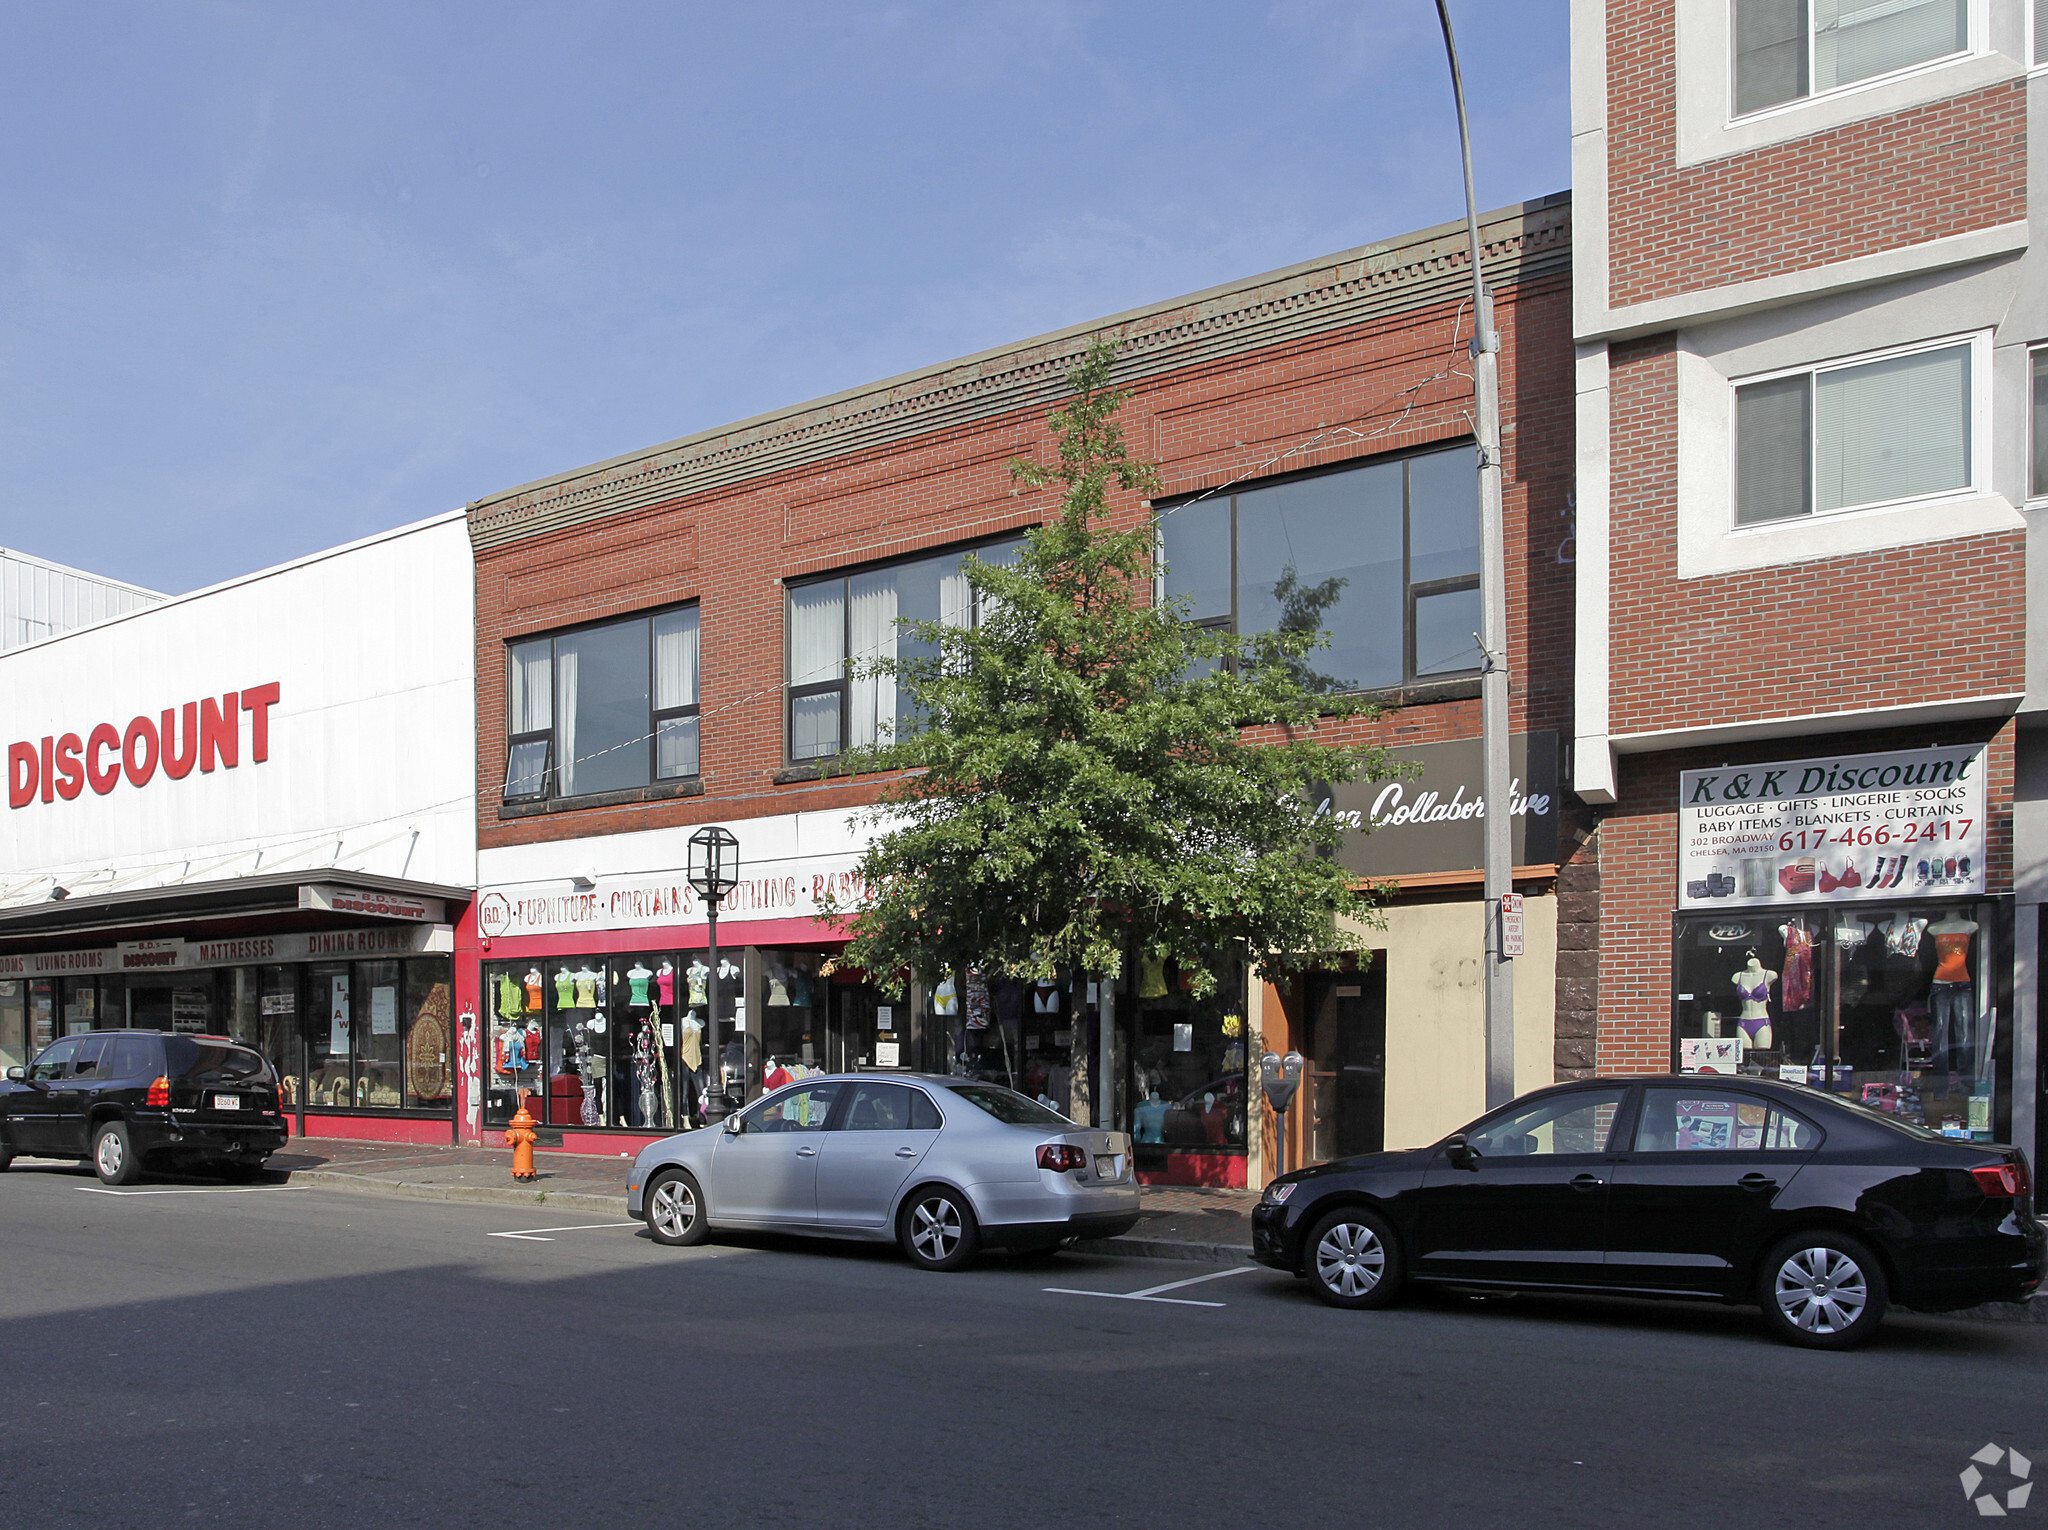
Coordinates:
193	1190
1151	1293
533	1234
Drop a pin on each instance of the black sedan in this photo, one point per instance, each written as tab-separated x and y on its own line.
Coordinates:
1819	1210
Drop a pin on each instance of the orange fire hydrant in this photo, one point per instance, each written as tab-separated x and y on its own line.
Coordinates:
520	1137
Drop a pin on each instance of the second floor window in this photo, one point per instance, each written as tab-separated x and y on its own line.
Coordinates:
603	708
837	622
1789	49
1384	558
1853	433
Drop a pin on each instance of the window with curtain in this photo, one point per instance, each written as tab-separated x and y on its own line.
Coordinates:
1789	49
603	708
1383	558
840	624
1853	433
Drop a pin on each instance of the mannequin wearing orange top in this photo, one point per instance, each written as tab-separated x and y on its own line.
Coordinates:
1949	999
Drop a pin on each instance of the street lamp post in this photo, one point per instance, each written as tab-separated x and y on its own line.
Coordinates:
1493	633
713	870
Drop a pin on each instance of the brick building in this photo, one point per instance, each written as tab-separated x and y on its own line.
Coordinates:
1806	305
663	642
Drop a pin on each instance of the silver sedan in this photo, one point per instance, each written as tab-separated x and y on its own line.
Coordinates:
944	1166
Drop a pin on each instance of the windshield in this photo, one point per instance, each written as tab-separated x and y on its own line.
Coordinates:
1010	1107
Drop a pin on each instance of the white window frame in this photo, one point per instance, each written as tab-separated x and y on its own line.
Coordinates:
2035	495
1979	446
1977	45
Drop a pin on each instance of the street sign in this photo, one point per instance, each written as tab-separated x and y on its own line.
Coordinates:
1511	924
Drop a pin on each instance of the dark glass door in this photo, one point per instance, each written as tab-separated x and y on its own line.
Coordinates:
1347	1029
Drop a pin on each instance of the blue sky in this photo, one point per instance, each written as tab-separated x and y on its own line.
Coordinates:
276	275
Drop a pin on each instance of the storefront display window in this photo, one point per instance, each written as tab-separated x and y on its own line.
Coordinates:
429	986
81	1005
1187	1059
13	1023
1007	1032
1889	1005
42	1013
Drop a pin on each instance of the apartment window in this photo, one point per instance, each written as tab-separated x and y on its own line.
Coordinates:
603	708
2037	484
1789	49
1853	433
1384	558
2040	31
837	622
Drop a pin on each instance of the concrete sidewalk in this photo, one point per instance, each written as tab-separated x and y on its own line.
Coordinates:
1213	1225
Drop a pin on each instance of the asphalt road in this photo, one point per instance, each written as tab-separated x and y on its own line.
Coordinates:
302	1358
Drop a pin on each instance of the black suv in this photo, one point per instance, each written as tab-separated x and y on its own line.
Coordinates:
125	1099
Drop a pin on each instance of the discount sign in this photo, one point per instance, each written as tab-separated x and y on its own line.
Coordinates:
1841	828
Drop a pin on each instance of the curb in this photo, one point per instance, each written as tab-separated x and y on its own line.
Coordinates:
566	1200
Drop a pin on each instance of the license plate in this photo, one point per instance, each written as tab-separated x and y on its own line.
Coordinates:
1111	1167
227	1102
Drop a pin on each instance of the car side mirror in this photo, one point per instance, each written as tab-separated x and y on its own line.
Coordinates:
1462	1154
734	1126
17	1075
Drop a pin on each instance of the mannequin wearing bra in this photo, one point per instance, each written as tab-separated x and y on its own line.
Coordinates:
1949	997
1753	987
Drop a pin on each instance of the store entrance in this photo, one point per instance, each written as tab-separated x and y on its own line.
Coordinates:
1347	1061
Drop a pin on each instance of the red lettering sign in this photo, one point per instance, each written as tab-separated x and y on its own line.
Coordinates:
207	732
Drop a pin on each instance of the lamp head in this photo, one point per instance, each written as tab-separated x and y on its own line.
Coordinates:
713	863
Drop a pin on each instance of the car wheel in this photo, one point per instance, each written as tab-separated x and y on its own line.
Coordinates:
938	1230
1823	1290
113	1159
1354	1259
675	1210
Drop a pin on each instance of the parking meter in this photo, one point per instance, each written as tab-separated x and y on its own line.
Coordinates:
1281	1077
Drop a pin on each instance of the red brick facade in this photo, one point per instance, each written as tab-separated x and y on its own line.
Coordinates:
1330	395
1831	634
1943	168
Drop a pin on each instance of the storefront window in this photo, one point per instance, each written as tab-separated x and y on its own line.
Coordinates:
429	984
329	1025
1187	1062
1889	1005
795	1004
13	1023
277	1004
42	1014
379	1068
517	1050
81	1005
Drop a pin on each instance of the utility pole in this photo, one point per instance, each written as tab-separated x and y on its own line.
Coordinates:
1493	633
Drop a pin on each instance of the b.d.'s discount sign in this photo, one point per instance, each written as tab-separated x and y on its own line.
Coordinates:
1841	828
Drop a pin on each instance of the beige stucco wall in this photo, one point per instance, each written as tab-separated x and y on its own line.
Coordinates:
1436	1017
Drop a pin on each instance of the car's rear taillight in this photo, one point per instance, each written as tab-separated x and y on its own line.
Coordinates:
1061	1156
159	1093
2001	1179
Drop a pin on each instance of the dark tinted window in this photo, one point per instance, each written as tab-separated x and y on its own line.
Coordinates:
85	1062
1009	1106
1576	1122
56	1060
132	1057
215	1061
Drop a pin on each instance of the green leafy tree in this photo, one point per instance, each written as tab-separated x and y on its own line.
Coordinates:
1090	775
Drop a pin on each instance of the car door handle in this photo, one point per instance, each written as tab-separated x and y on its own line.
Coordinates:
1587	1182
807	1152
906	1152
1753	1181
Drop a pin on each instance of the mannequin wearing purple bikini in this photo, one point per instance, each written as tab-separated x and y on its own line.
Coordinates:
1753	987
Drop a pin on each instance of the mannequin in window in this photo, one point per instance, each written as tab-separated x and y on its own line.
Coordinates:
586	988
1902	935
565	988
1753	988
1151	977
945	997
1797	993
698	975
511	998
778	987
728	973
665	983
1045	999
799	988
1949	998
1150	1118
531	984
637	978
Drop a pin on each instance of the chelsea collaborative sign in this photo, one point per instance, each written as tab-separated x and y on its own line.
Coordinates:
1838	828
